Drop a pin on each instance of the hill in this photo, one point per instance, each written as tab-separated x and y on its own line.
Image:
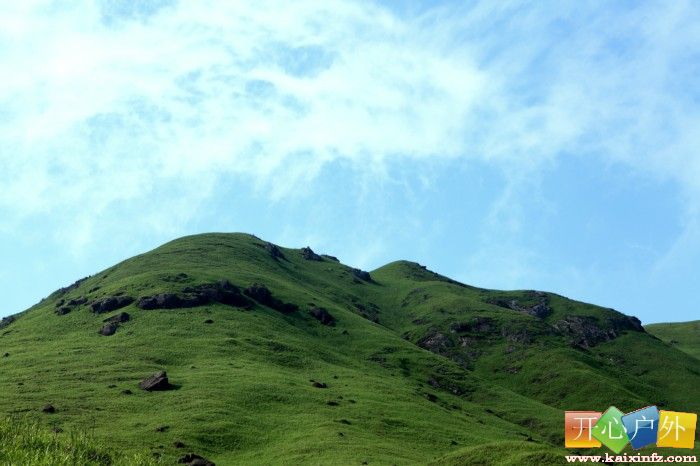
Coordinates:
682	335
283	356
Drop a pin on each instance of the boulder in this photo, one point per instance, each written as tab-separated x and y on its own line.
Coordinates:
48	409
274	251
109	329
157	382
222	292
66	289
77	301
260	293
111	303
5	321
63	310
621	322
436	342
319	385
361	275
540	309
159	301
118	319
584	331
308	254
477	325
263	295
587	331
191	459
322	316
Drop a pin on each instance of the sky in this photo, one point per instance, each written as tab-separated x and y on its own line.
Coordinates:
510	145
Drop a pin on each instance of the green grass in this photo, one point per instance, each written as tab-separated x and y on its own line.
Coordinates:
244	392
682	335
27	442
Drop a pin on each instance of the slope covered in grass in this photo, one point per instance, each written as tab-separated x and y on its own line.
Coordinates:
682	335
413	367
25	442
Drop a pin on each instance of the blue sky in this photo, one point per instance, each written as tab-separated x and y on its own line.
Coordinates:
508	145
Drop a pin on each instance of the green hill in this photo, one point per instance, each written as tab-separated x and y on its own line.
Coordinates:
282	356
682	335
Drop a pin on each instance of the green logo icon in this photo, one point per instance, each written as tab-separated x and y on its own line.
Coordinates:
610	431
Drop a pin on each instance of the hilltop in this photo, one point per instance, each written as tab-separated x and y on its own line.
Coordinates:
283	356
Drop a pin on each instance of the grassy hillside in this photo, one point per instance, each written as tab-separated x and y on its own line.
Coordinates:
682	335
398	366
26	442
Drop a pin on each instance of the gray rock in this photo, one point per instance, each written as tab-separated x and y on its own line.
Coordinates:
361	275
308	254
263	295
193	296
119	318
436	342
191	459
274	250
111	303
157	382
5	321
109	329
48	409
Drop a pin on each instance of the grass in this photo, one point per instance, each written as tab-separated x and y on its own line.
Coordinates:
244	391
24	441
682	335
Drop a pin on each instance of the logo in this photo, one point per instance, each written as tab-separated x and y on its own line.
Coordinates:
640	428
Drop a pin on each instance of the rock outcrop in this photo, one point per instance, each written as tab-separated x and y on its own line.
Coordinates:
157	382
111	303
308	254
112	324
263	295
71	287
436	341
479	324
221	292
118	319
108	330
191	459
274	250
587	331
361	275
5	321
322	316
64	307
539	309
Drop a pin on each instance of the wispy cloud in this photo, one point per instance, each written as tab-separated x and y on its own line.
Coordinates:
113	108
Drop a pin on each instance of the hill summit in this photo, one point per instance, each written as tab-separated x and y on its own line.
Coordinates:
231	348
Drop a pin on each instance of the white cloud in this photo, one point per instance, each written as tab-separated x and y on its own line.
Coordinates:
108	107
101	111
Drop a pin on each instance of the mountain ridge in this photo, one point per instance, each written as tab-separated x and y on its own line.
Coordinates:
415	365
